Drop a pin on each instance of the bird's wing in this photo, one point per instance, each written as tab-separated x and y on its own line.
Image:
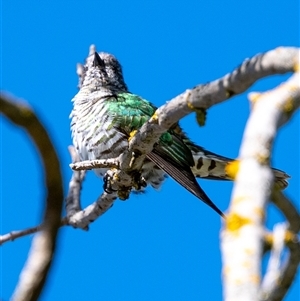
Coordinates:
175	161
130	112
171	154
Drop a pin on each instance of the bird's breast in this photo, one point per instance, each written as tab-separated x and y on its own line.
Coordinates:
93	131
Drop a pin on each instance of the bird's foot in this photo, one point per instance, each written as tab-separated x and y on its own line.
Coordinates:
138	181
108	182
113	179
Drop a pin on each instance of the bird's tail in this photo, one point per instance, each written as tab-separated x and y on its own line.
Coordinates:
209	165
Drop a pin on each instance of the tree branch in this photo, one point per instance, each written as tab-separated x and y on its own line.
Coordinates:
73	198
242	236
274	265
276	290
35	271
77	217
277	61
92	164
288	209
83	218
17	234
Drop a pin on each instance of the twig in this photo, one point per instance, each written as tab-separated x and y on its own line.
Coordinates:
16	234
11	236
77	217
34	273
92	164
73	198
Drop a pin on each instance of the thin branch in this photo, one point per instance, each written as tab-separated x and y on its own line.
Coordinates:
77	217
287	274
34	273
75	185
288	209
83	218
289	269
92	164
274	265
242	236
11	236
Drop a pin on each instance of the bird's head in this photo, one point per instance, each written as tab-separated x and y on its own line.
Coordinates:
102	70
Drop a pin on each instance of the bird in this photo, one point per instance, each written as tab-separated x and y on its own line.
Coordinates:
104	115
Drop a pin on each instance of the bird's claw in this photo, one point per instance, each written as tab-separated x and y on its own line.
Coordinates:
107	183
112	177
139	181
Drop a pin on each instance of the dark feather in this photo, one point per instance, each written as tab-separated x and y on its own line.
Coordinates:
183	175
215	178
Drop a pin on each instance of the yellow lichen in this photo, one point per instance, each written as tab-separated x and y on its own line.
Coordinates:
232	169
131	135
239	199
249	252
154	116
260	212
226	270
290	237
263	159
190	106
255	278
234	222
200	116
26	112
254	96
288	106
268	238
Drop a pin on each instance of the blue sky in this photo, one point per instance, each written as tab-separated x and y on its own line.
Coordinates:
161	245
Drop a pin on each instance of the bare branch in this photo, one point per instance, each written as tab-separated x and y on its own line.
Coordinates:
75	185
77	217
273	270
83	218
16	234
289	269
11	236
35	271
287	273
88	165
288	209
242	236
277	61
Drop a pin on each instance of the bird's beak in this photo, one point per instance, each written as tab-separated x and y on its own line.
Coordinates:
98	62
